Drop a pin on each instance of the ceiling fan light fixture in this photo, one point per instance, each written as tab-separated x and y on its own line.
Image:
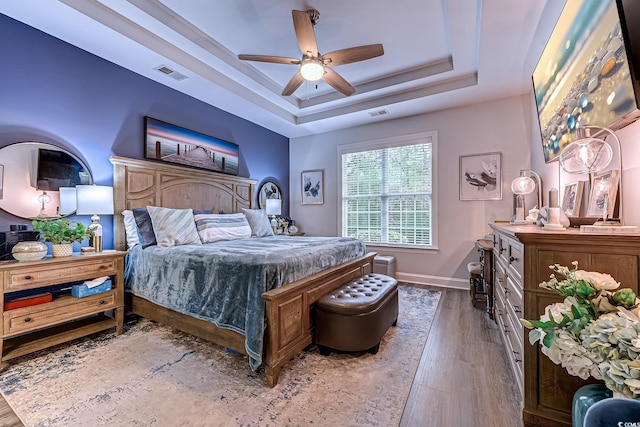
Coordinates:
312	69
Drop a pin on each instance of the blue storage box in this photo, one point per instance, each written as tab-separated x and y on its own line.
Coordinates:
80	291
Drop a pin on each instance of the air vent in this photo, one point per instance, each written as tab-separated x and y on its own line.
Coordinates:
171	73
378	113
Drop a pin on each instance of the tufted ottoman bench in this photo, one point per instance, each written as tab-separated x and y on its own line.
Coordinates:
356	316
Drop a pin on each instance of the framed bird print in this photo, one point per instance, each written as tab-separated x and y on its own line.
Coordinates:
268	190
313	187
481	177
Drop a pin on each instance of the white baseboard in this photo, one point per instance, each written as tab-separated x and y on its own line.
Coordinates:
423	279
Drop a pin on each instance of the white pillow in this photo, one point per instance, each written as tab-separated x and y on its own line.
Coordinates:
215	227
259	222
174	227
130	229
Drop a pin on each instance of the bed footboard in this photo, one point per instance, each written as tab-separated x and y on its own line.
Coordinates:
289	311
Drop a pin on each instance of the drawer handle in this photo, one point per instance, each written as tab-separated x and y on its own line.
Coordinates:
511	258
506	291
103	267
517	309
515	357
28	277
27	319
506	330
499	312
102	301
501	250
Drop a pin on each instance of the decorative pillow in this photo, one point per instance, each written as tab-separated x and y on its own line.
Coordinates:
146	235
202	212
215	227
174	227
259	222
130	229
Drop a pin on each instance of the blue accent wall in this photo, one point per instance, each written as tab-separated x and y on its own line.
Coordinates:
53	92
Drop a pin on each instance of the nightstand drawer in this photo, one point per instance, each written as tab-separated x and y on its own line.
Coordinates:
31	277
61	310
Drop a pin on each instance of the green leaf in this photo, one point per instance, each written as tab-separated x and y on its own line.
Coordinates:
548	339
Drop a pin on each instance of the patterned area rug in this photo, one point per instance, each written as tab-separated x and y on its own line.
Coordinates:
153	375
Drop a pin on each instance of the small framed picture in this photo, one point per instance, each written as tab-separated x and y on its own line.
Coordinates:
572	198
604	193
313	187
481	177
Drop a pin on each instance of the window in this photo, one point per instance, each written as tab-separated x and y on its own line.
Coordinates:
387	192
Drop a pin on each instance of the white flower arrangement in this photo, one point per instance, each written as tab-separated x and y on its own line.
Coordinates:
594	332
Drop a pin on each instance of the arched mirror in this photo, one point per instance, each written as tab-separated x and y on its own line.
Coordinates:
31	176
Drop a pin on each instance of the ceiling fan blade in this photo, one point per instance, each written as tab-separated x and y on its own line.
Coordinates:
353	54
337	82
304	32
293	84
267	58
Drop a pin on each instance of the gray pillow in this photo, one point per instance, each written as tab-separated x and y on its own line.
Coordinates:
174	227
259	222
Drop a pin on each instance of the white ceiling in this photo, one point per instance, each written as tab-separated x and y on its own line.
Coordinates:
438	53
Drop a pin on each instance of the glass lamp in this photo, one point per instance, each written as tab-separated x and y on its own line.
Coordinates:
94	200
590	155
521	186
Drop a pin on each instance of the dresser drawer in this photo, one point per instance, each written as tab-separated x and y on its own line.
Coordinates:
31	277
516	260
60	310
513	293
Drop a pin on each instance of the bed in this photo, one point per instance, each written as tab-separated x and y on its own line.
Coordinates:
287	309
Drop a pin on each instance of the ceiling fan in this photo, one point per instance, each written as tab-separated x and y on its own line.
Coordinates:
313	65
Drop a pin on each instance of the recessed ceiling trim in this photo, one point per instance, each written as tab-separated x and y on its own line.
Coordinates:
112	19
435	67
460	82
195	35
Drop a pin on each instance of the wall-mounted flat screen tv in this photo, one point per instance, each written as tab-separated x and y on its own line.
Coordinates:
58	169
586	74
175	144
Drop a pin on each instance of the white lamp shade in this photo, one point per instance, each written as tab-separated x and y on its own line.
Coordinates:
67	200
94	200
523	185
274	206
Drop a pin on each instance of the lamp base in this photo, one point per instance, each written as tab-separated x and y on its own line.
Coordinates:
554	227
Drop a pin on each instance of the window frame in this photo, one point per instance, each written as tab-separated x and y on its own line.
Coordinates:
399	141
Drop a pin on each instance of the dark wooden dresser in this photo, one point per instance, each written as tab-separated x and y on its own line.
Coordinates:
530	250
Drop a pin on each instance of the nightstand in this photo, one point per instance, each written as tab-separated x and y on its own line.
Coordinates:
65	318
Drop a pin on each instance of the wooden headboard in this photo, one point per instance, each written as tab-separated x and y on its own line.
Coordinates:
141	183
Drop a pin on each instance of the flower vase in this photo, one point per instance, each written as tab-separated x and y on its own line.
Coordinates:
62	249
585	397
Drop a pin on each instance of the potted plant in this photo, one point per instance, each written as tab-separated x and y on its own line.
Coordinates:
61	233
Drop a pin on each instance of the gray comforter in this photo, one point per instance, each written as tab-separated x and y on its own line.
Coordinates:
223	282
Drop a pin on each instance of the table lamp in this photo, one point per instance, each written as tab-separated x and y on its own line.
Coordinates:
521	186
94	200
274	207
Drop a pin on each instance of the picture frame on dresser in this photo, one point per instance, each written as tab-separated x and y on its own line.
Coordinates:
604	194
481	176
313	187
572	198
174	144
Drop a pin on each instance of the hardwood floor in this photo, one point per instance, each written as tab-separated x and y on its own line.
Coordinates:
463	378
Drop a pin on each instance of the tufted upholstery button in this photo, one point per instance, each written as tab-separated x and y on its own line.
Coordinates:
361	295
